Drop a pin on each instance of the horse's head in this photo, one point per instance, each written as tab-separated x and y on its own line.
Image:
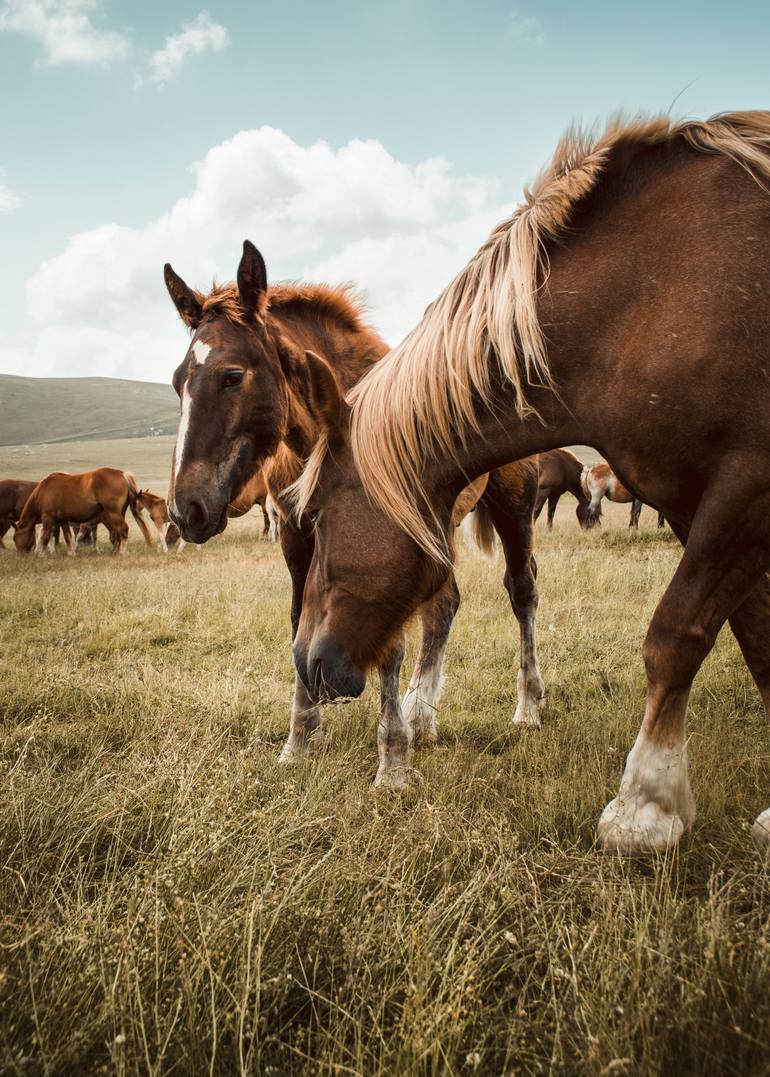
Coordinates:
233	396
24	537
367	576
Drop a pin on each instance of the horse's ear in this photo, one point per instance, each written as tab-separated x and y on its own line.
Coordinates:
252	281
326	402
184	298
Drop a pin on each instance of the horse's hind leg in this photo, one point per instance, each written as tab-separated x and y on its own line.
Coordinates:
421	698
394	732
509	498
553	501
636	510
661	520
727	552
4	527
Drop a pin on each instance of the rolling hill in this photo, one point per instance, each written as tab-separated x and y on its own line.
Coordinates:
35	411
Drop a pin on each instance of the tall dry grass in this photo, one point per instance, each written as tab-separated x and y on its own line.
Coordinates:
175	902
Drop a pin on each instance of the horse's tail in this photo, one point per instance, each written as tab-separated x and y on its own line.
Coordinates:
584	481
133	494
483	530
593	509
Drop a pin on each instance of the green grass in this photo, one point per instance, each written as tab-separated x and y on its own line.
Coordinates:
50	410
173	901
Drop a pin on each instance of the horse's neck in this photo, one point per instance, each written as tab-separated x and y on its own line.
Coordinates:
574	472
349	352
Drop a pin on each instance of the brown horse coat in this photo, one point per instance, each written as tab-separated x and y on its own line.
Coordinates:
99	496
626	306
13	497
560	473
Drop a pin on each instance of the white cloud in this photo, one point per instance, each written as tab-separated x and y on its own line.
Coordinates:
525	28
196	37
8	198
64	30
400	231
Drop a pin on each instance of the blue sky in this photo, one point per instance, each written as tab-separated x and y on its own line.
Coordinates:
135	133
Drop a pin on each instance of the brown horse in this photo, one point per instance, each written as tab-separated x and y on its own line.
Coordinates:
600	481
13	498
560	472
626	306
252	390
99	496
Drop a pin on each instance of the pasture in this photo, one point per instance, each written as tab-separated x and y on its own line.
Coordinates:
174	901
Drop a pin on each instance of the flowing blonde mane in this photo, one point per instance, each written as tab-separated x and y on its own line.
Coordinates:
422	400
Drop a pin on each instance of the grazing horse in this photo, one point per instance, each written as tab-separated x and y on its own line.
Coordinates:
601	481
252	389
13	498
626	306
99	496
560	473
155	507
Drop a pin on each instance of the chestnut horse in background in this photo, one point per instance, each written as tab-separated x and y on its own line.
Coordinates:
13	497
251	390
99	496
601	481
626	306
560	473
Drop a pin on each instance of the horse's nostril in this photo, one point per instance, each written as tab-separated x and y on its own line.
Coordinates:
196	515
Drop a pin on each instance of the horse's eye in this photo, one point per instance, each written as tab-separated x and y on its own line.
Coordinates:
312	516
232	378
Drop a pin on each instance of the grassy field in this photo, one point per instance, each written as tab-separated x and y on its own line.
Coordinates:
38	410
174	901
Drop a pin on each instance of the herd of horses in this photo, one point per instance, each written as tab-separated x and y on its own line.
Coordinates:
624	305
63	502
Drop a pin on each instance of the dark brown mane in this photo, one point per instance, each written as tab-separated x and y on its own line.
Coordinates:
340	304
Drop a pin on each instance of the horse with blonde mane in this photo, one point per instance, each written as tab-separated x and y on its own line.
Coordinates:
626	306
252	390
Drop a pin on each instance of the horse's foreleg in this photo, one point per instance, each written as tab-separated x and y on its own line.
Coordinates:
421	698
305	731
661	520
512	516
727	552
4	527
66	531
44	538
394	731
636	509
553	501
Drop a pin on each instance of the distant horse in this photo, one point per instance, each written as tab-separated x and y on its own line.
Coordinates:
560	472
157	510
626	306
600	481
252	389
99	496
13	498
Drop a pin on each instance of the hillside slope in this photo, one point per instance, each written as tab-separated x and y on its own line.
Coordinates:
34	411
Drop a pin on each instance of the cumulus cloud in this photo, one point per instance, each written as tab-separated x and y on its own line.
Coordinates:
200	35
8	198
401	231
65	31
525	28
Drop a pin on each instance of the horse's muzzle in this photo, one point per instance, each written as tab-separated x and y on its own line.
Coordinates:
326	671
197	521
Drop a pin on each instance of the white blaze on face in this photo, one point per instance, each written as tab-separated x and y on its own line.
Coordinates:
201	352
184	426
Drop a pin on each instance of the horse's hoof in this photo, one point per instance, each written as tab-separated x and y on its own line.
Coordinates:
395	779
297	751
633	826
527	715
760	832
